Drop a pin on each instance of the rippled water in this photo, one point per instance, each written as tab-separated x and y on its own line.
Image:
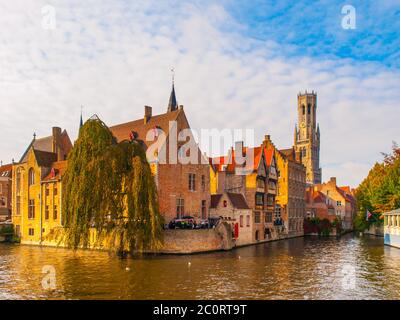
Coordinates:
301	268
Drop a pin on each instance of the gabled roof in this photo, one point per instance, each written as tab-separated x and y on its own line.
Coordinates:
42	144
45	159
237	200
269	155
6	170
229	162
123	131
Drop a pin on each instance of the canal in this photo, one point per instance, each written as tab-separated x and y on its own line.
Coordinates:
351	267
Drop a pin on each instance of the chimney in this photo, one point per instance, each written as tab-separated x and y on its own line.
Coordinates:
56	132
333	180
147	113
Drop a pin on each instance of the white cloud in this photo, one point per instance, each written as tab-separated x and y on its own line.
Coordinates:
114	58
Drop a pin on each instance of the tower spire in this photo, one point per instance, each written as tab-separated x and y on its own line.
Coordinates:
172	105
81	121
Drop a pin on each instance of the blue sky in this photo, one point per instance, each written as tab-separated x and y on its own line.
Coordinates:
316	30
238	65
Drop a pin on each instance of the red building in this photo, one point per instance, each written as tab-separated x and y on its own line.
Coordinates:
5	192
183	188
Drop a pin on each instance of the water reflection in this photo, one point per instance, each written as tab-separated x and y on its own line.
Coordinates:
301	268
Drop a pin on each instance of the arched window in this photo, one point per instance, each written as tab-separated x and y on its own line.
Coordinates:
18	183
304	109
31	177
309	108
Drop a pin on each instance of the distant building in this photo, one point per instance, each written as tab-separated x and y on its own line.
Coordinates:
319	205
307	136
5	192
339	199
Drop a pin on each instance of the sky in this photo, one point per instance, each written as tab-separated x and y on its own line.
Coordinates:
238	65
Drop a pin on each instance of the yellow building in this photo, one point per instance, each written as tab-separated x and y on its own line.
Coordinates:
37	187
290	199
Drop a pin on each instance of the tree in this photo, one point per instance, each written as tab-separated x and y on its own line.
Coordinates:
379	192
108	187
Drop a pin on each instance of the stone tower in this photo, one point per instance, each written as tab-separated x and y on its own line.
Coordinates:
307	136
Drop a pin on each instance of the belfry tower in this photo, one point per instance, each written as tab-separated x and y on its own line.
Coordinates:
307	136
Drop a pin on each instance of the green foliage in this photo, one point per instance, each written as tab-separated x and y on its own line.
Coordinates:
7	229
380	190
108	187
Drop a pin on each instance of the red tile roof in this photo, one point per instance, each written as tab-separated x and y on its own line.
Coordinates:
140	128
237	200
229	162
57	170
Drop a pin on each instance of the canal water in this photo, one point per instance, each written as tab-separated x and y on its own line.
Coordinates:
352	267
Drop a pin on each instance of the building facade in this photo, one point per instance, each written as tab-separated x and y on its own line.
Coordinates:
339	199
5	192
36	190
291	190
233	209
307	136
258	186
183	186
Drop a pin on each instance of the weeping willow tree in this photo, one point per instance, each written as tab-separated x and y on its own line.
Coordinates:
108	187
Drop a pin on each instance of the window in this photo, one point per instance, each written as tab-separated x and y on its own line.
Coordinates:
304	109
31	177
180	207
303	152
31	231
260	184
47	190
241	221
309	108
203	209
257	217
46	213
339	203
192	182
18	205
31	209
277	211
203	183
248	221
55	190
18	182
270	200
268	217
259	199
55	212
225	203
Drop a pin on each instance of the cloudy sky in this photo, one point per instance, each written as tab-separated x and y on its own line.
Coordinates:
238	64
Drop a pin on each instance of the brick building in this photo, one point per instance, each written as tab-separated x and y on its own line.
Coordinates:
340	199
5	192
183	188
258	185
